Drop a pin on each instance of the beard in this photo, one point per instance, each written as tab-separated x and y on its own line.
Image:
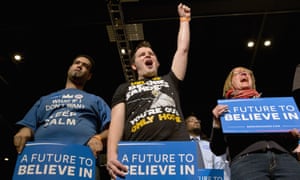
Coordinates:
77	78
197	131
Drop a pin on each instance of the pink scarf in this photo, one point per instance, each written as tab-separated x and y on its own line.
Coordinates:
247	93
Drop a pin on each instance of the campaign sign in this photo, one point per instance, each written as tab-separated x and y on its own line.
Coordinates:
166	160
260	115
210	174
48	161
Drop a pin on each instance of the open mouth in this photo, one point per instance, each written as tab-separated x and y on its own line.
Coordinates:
149	63
244	80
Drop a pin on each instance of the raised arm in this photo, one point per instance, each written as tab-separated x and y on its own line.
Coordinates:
179	63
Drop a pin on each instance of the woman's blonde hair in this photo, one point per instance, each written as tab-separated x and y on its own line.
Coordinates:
228	81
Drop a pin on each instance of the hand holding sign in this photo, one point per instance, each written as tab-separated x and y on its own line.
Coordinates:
260	115
50	161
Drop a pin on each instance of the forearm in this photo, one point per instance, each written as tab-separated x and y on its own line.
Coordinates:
183	39
114	136
183	42
116	129
102	136
217	142
21	137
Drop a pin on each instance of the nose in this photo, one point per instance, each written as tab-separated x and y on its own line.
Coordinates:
148	54
243	73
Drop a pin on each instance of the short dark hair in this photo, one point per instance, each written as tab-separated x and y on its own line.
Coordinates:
92	61
139	45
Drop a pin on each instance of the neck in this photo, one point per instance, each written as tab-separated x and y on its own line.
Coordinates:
244	93
72	85
194	134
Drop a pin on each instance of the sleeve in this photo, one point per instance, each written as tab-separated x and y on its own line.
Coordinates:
105	114
120	94
31	117
217	142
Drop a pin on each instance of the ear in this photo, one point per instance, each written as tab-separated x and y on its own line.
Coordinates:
90	76
133	66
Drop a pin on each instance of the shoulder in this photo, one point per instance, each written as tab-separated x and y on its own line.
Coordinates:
53	94
120	93
122	88
171	79
203	141
205	145
126	84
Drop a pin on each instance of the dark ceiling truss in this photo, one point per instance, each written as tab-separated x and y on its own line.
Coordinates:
121	37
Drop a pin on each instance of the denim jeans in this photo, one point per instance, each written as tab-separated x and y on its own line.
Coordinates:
265	166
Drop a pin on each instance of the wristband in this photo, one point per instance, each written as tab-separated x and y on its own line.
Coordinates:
184	19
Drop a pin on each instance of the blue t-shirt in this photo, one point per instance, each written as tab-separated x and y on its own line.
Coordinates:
67	116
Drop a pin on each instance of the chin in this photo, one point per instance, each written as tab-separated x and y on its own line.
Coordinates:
150	74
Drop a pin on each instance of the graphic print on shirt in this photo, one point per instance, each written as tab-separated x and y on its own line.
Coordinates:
64	104
161	99
156	104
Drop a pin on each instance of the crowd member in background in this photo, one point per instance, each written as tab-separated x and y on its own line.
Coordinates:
296	85
148	109
193	125
90	114
296	95
209	159
253	156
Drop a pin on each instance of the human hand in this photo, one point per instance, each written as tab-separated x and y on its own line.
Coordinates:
115	168
95	145
184	10
297	152
295	133
21	138
217	112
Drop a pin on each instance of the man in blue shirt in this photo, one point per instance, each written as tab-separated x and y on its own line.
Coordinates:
70	115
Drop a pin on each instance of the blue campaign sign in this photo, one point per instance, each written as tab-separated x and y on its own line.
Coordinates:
210	174
48	161
159	160
260	115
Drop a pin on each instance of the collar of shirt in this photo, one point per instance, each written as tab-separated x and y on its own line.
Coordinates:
195	138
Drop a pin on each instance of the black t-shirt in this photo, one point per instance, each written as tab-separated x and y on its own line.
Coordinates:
153	111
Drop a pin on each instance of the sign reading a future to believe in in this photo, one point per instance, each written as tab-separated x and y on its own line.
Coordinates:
166	160
260	115
48	161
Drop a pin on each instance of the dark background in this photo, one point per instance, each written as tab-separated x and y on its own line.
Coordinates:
51	33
